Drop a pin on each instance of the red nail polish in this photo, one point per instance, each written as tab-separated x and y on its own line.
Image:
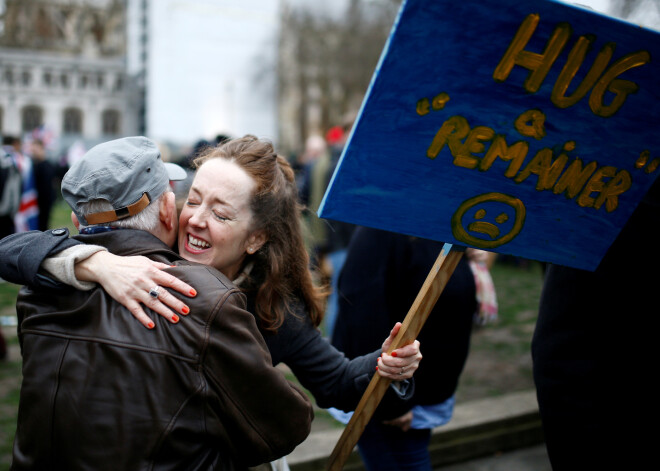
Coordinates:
376	367
175	318
193	292
151	325
393	354
185	309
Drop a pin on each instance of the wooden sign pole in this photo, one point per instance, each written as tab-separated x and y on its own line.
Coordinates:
433	286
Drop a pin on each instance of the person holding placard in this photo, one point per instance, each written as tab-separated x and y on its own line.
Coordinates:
379	282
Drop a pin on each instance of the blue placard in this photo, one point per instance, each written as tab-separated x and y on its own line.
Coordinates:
527	128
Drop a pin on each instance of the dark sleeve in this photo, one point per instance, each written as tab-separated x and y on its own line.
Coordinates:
23	253
363	316
333	379
261	414
595	341
379	282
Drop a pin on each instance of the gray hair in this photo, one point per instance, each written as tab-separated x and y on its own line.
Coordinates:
146	220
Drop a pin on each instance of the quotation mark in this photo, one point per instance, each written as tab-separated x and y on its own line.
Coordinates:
438	103
643	160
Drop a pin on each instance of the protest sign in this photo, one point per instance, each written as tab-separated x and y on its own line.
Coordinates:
526	128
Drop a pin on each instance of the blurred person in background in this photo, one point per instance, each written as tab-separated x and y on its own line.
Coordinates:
44	178
328	239
27	216
379	282
10	199
11	183
315	148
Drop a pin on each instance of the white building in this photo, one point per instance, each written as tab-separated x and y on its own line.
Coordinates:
174	70
209	66
62	65
75	97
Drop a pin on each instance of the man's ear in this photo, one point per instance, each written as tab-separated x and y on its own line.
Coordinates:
167	210
74	220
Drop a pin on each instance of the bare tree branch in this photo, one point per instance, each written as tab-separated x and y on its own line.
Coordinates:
333	59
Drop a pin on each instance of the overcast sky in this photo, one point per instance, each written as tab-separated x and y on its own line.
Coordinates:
212	64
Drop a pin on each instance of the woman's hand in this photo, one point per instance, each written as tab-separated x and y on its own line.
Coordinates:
402	362
129	279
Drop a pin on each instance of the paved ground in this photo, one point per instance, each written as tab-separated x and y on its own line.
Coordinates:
525	459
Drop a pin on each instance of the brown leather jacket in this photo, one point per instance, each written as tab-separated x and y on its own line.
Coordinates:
102	392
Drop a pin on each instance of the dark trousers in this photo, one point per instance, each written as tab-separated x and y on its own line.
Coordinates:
388	448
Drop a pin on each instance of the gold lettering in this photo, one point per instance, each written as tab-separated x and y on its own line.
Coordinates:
610	194
515	154
595	184
575	59
652	166
473	144
531	124
574	178
621	88
543	166
451	133
538	64
423	106
643	158
439	101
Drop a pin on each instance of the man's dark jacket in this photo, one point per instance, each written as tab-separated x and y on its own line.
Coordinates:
100	391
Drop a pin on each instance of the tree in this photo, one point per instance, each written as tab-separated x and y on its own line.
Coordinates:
326	63
65	26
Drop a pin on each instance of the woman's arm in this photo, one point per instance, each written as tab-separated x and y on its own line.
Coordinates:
61	266
23	253
333	379
127	279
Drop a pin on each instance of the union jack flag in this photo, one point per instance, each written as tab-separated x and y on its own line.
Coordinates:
27	217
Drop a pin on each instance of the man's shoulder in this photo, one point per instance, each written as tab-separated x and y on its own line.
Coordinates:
187	269
211	285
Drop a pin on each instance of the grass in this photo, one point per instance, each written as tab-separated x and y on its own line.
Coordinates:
8	294
500	352
519	291
10	378
61	216
10	374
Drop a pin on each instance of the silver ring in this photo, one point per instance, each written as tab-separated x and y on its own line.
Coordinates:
401	372
153	292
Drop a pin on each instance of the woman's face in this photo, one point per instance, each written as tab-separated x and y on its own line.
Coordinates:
216	220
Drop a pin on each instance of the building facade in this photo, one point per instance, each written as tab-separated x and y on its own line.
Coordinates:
63	66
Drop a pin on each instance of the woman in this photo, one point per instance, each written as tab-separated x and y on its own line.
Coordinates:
242	217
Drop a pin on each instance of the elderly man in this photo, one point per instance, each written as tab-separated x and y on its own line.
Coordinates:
100	393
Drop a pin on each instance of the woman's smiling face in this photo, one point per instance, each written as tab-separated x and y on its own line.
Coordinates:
215	225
